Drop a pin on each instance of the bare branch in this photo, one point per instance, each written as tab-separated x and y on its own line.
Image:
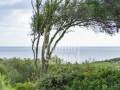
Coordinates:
61	36
33	6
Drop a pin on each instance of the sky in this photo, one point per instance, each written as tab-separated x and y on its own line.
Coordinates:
15	19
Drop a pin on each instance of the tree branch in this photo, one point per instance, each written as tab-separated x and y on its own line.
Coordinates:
61	36
33	6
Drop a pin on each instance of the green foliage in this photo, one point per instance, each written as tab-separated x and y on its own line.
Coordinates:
87	76
4	84
81	77
25	86
3	69
54	82
20	71
15	77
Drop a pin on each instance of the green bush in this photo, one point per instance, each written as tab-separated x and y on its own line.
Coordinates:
21	75
3	69
4	84
25	86
54	82
20	70
104	79
15	77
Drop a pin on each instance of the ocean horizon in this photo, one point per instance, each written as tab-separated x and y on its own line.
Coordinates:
68	54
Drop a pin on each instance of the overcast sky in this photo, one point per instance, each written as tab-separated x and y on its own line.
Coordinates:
15	18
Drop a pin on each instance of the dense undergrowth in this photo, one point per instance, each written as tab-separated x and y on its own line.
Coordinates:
16	74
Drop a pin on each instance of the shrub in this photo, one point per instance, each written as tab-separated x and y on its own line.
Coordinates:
54	82
4	84
3	69
14	76
24	70
25	86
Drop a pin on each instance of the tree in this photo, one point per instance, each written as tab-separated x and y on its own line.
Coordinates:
59	17
37	25
56	15
42	23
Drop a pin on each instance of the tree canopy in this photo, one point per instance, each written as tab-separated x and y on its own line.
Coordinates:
61	15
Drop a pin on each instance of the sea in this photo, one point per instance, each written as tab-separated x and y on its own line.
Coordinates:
67	54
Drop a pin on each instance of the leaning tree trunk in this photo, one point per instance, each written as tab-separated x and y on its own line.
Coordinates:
44	56
47	50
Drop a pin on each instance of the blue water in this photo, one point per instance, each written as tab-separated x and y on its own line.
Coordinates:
72	54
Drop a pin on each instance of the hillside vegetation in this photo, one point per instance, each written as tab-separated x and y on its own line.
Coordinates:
17	74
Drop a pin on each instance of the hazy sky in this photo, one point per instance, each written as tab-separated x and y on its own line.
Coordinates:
15	17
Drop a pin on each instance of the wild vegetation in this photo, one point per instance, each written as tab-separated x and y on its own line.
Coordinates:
19	74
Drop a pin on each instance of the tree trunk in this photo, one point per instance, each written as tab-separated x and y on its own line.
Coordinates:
44	56
33	50
37	47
